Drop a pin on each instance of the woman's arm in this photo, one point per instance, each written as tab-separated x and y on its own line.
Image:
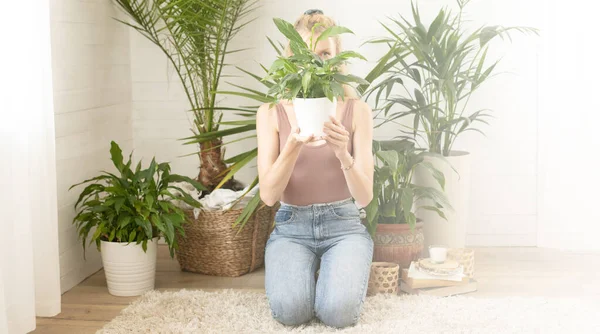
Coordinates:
274	168
360	176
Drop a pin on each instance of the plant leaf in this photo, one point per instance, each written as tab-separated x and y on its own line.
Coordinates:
333	31
116	156
288	30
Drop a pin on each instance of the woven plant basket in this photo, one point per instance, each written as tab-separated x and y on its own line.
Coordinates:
383	278
211	247
466	257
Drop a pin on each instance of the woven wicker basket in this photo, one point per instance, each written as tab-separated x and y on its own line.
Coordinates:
383	278
211	247
466	257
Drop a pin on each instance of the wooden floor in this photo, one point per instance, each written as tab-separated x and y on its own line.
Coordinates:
500	271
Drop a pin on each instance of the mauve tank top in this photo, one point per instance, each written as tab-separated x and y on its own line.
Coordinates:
317	177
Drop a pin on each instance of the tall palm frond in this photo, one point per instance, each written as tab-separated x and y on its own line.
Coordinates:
194	35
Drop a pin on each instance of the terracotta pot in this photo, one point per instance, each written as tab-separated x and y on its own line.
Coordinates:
398	243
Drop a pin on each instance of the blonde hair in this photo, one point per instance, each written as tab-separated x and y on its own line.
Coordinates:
304	25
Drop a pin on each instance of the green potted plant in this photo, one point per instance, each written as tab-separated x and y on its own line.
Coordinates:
437	68
311	83
390	216
126	213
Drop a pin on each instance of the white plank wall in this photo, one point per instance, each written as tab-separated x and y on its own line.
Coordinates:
92	96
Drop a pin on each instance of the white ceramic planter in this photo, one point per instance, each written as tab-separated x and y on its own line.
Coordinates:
452	232
129	270
311	114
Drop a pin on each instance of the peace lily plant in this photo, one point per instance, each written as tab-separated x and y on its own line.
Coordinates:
304	74
124	214
312	84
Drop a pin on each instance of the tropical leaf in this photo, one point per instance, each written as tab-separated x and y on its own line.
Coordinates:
333	31
287	29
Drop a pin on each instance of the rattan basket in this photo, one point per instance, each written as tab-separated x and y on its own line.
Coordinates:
211	246
466	257
383	278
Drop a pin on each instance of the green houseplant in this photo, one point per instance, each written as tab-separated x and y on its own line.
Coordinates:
391	219
304	74
312	84
435	68
126	213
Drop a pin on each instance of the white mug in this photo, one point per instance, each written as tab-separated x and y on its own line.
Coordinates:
438	253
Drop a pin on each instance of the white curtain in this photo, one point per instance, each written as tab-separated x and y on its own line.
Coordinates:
29	266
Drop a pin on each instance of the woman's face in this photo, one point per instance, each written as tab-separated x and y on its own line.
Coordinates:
325	49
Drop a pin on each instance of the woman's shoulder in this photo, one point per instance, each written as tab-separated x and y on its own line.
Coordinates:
360	108
361	114
360	104
268	109
267	106
268	113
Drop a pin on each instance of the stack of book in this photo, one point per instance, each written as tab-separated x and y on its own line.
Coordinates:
423	277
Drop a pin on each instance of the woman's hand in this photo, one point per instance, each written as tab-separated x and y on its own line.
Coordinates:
296	140
337	137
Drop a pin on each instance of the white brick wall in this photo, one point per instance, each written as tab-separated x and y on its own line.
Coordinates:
92	100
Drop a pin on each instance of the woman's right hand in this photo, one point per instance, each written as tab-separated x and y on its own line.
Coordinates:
295	139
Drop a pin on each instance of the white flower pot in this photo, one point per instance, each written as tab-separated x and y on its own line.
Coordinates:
311	114
129	270
452	232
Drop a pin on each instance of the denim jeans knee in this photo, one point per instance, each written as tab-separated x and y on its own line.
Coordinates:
327	234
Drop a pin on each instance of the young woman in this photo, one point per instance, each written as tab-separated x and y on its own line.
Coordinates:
320	183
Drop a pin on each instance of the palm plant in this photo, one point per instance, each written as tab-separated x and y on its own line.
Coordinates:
240	127
438	67
194	35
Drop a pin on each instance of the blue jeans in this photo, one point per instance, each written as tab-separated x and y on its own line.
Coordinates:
329	235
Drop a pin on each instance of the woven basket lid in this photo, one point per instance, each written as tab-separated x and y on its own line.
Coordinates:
446	265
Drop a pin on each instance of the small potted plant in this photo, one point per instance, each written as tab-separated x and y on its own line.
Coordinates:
390	218
311	83
126	213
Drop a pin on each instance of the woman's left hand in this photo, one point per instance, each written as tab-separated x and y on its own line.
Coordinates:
337	136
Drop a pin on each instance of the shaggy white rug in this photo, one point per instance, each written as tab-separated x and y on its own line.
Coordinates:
236	311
